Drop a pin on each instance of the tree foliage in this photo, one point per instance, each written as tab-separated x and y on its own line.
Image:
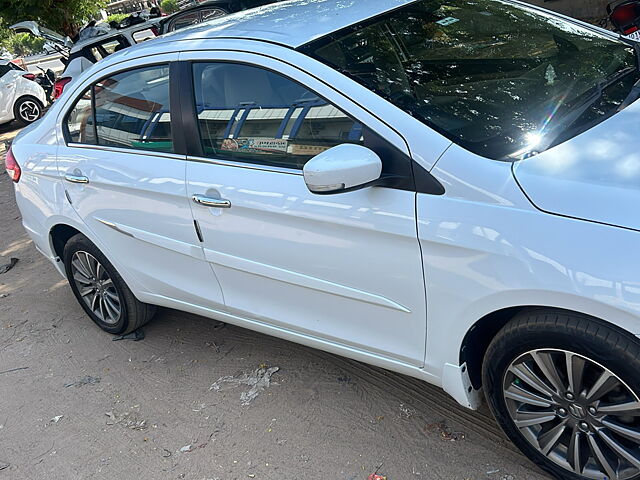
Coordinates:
64	16
20	44
169	6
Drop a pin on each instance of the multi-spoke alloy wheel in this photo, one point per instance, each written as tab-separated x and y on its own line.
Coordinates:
575	412
100	289
96	287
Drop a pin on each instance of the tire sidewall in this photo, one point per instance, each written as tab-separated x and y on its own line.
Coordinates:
81	243
16	110
501	354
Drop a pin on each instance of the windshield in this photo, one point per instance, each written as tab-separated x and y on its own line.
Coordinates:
500	79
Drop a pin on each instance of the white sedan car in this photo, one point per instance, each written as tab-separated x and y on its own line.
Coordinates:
443	188
21	98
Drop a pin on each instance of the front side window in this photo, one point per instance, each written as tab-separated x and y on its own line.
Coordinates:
499	79
131	111
249	114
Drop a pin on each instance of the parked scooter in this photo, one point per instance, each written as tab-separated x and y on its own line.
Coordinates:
47	80
624	16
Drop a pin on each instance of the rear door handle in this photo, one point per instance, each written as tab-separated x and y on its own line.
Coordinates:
76	178
211	202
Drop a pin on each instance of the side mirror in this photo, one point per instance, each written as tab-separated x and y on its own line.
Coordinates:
342	168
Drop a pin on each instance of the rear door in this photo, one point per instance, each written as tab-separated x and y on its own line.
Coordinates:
342	268
124	179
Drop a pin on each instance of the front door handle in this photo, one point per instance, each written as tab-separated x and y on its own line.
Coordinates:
211	202
76	178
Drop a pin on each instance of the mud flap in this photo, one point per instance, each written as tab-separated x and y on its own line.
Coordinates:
456	382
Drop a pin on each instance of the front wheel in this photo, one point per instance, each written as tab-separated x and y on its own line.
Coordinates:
100	289
564	388
27	110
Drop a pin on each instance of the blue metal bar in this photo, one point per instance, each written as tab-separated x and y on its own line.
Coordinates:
227	132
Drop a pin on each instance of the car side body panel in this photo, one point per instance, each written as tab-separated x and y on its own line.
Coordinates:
486	248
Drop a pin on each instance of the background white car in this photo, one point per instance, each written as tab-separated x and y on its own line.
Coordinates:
21	98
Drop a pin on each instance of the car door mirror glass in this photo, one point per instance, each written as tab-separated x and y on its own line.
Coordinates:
342	168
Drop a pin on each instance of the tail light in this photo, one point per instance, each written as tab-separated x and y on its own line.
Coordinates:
625	16
155	31
58	87
13	169
29	76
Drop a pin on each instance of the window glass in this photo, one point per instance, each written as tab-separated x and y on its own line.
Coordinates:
105	49
253	115
143	35
4	69
185	20
500	79
132	109
211	13
80	120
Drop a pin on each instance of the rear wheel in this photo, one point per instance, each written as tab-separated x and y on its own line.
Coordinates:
27	110
100	289
564	388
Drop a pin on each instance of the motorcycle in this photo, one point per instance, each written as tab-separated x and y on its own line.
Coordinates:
624	16
46	80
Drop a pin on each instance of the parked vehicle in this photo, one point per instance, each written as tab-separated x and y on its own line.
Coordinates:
624	15
447	189
205	11
85	53
54	41
21	98
46	80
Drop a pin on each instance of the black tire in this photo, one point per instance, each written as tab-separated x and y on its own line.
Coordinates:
133	313
542	329
27	110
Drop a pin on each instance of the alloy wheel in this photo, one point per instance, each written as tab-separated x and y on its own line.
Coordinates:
575	412
96	288
29	111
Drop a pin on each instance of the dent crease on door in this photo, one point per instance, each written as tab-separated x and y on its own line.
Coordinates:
155	239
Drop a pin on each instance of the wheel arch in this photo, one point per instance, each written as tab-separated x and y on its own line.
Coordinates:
477	339
59	235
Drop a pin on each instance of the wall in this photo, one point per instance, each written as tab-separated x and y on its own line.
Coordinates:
583	9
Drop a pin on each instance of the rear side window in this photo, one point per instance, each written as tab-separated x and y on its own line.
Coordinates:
4	69
131	110
105	49
182	21
253	115
80	126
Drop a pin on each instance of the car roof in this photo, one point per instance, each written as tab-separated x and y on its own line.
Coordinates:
291	23
114	32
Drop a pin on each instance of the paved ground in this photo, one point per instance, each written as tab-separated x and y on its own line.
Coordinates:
323	417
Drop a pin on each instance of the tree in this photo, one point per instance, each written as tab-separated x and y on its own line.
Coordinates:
64	16
169	6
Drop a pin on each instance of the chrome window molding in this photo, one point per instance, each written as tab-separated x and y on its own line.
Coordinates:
250	166
130	151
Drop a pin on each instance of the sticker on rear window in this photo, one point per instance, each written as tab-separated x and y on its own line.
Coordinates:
447	21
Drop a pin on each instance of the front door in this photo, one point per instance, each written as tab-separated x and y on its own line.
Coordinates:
128	186
341	268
